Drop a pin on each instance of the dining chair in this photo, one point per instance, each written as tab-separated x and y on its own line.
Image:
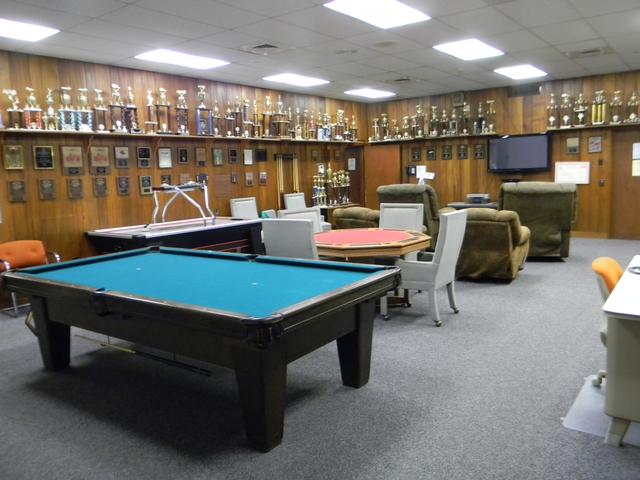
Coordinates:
289	237
294	201
23	254
608	271
402	216
245	208
438	269
311	213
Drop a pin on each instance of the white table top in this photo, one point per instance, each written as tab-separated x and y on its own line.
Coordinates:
624	301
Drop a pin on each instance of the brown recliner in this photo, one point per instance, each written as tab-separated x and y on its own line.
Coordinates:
356	217
495	245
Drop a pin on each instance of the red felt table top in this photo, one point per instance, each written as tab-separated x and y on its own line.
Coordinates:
362	236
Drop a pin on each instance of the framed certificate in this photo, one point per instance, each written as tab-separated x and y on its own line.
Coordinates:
165	179
218	157
72	163
43	157
122	157
183	156
100	186
164	158
144	157
74	188
262	178
46	189
463	151
123	186
145	185
13	157
446	152
248	179
201	157
99	160
431	153
185	178
17	192
248	156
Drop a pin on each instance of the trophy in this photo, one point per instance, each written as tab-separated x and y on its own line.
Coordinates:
32	111
632	109
384	126
84	116
266	117
230	122
162	111
99	111
353	131
565	111
182	113
130	113
375	130
490	114
116	108
279	121
257	125
417	124
247	124
152	121
406	128
340	127
311	131
394	130
616	108
480	123
443	129
16	114
238	119
453	122
204	120
464	120
217	119
599	108
66	113
552	112
433	121
580	108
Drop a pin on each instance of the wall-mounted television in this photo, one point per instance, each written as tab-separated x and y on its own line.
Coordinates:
519	153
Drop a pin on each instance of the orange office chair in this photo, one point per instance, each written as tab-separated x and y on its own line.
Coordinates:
22	254
608	272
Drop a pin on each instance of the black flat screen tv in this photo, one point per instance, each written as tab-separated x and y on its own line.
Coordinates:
519	153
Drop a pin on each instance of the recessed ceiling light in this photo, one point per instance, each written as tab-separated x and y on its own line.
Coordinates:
518	72
370	93
178	58
381	13
470	49
24	31
295	79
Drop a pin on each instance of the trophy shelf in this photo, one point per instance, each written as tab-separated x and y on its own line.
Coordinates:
592	127
439	137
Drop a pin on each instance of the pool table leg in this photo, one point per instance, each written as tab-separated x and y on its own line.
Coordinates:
261	376
53	338
354	349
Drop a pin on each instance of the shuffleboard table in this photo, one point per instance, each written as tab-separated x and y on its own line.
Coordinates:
253	314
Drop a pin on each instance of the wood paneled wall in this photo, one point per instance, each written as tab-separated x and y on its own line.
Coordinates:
604	204
61	223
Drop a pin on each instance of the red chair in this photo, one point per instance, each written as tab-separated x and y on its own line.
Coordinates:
22	254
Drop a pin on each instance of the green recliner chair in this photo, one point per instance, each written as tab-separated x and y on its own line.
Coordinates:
548	209
356	217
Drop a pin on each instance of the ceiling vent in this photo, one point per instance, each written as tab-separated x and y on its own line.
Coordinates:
262	49
588	52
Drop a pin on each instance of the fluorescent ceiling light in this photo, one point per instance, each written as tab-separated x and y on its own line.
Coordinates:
381	13
24	31
470	49
370	93
518	72
184	59
295	79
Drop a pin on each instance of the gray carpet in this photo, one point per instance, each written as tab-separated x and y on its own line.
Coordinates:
479	398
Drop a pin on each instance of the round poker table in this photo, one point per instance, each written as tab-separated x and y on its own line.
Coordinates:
370	242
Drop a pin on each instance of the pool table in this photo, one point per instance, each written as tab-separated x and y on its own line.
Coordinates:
223	234
253	314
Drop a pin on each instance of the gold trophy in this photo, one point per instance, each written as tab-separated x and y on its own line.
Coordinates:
552	112
32	111
182	113
599	108
491	117
464	120
384	127
433	121
162	111
99	111
116	109
481	122
565	111
257	125
130	113
152	121
247	124
353	131
217	120
67	114
266	117
406	128
16	114
616	108
453	122
632	109
580	108
204	120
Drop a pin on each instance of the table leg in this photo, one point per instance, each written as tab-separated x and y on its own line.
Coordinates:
262	383
54	338
354	349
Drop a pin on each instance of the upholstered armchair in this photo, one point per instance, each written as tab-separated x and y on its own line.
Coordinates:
412	193
356	217
548	209
495	245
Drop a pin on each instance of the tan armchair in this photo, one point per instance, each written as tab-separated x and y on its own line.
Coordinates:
495	245
548	209
356	217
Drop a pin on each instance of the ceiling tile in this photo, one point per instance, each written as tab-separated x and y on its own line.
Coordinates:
427	57
273	7
22	12
436	8
344	51
134	36
515	41
354	68
232	39
283	34
384	41
482	22
210	12
141	18
590	8
534	13
617	23
581	46
94	56
328	22
459	83
429	33
600	63
547	54
387	62
424	73
310	57
86	42
573	31
89	8
625	43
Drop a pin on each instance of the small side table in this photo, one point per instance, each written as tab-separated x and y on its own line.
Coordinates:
461	205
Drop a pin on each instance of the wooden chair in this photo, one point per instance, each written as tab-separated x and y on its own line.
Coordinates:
23	254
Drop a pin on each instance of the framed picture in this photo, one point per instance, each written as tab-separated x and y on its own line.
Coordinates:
315	155
183	156
595	145
573	145
233	155
44	157
145	184
164	157
99	160
165	179
478	151
144	157
72	163
351	164
185	178
202	177
218	157
100	186
446	152
248	179
201	157
416	154
123	186
262	178
337	155
13	157
121	155
431	153
47	189
463	151
233	178
261	155
74	188
248	156
17	191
